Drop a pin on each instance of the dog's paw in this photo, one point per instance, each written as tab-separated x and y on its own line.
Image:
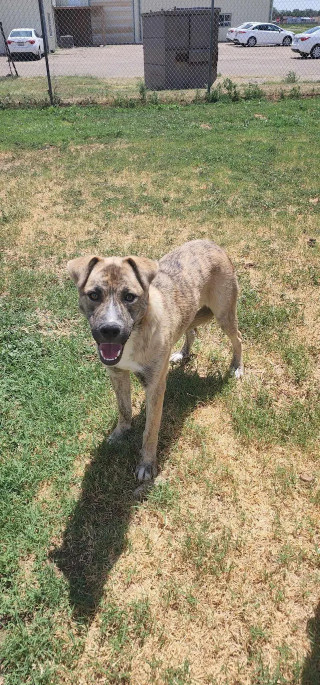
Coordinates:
177	357
117	434
145	471
238	372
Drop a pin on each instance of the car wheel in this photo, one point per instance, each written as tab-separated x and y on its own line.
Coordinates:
315	52
287	40
252	42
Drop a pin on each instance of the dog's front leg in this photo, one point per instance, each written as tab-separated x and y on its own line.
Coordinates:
147	468
120	381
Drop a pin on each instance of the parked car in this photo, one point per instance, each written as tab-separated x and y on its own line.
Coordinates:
263	34
231	33
307	43
25	41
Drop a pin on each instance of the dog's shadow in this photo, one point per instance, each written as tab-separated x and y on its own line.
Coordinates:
311	668
95	535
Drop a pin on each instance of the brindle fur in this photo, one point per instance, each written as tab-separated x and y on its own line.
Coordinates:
185	289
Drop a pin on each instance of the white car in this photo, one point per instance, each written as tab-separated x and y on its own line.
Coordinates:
231	33
307	43
25	41
263	34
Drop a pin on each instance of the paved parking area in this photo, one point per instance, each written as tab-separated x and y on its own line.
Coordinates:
126	61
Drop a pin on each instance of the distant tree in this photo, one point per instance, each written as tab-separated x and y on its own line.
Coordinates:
307	12
277	14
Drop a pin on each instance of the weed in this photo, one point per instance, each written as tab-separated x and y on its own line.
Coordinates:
231	90
142	91
214	95
294	93
253	92
154	98
291	77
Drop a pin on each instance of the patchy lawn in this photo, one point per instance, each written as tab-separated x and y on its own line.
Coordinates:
128	92
214	577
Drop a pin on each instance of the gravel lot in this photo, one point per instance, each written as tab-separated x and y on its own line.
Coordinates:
126	61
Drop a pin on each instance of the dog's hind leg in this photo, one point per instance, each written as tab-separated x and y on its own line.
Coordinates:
229	325
224	307
184	353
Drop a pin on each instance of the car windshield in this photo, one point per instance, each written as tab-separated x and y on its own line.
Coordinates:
21	34
315	28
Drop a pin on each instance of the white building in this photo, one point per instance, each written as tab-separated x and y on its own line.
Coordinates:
25	14
102	22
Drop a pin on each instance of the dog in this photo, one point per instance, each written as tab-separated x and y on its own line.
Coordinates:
138	309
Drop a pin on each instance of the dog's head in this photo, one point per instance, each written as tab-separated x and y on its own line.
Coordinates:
113	294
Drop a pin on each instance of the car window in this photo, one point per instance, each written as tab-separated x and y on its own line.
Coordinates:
313	30
262	27
21	34
273	28
246	26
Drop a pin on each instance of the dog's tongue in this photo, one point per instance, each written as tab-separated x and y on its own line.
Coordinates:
110	351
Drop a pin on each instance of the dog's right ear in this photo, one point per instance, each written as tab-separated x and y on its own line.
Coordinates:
80	269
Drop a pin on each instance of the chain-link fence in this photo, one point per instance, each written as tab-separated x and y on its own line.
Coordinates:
112	50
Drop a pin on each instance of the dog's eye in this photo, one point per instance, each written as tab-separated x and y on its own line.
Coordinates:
94	296
129	297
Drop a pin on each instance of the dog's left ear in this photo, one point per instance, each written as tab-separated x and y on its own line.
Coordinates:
145	269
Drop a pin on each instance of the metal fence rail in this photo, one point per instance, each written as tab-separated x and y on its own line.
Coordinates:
102	50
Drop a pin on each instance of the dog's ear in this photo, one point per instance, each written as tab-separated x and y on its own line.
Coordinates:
80	269
145	269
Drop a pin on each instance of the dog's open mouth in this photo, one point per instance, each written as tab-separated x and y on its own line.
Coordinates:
110	353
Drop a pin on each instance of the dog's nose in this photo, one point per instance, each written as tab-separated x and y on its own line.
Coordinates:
110	330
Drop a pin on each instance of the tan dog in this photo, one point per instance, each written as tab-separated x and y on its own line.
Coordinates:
138	309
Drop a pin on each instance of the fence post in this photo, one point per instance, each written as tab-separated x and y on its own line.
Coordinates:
46	48
211	47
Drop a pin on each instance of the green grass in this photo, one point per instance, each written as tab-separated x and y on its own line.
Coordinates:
96	585
297	28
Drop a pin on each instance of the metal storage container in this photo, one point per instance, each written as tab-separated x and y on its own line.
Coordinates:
66	42
177	45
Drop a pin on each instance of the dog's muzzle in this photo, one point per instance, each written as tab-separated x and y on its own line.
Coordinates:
111	339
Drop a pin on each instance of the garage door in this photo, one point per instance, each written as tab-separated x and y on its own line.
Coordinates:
118	21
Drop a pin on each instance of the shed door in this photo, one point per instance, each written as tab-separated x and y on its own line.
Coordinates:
119	21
